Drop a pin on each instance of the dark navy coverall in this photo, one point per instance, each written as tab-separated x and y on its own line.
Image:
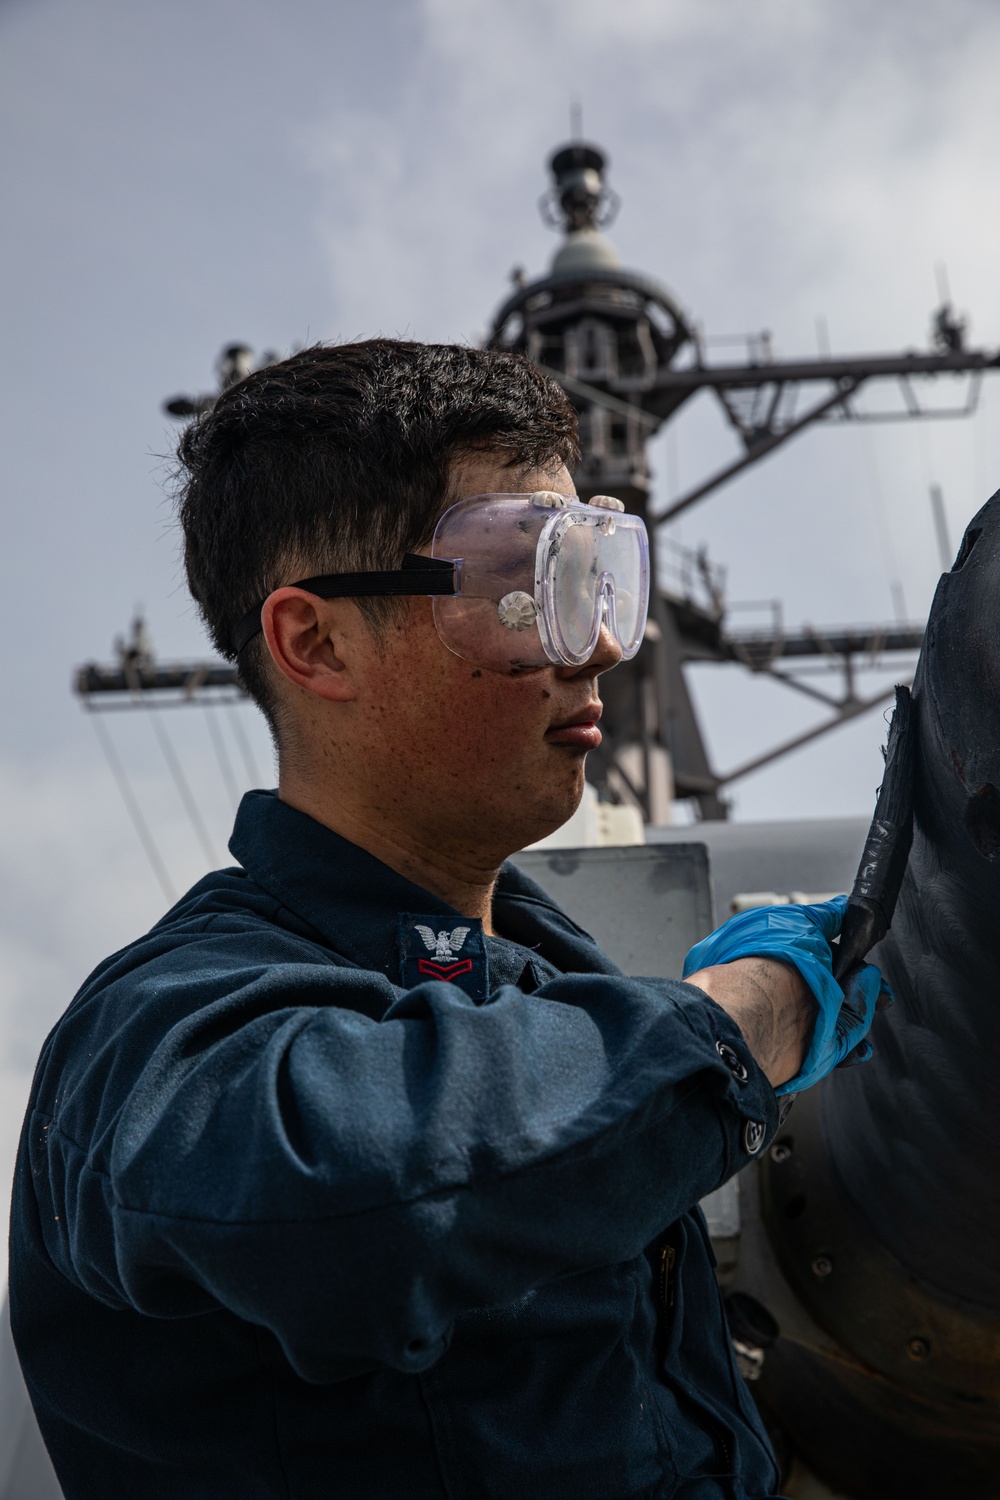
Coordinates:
323	1195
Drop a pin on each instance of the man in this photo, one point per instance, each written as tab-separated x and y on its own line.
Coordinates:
365	1173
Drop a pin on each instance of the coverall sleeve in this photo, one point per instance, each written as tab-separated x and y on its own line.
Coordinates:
236	1135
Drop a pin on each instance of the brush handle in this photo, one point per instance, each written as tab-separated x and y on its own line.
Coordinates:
872	901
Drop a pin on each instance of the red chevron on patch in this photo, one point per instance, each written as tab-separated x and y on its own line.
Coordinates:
446	972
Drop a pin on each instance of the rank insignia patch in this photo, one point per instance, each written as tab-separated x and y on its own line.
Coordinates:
431	948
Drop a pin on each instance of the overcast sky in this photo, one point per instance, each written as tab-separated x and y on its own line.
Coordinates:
176	177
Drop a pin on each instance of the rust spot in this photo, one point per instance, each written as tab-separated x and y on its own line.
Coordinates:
958	763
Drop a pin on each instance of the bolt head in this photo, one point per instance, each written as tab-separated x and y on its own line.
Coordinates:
918	1350
780	1151
821	1266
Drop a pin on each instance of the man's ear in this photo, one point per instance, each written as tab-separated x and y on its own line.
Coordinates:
313	642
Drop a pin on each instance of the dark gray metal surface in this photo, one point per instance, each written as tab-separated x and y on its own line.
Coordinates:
814	856
645	905
908	1213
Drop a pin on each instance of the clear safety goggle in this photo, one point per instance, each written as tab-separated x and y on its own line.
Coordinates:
518	580
537	576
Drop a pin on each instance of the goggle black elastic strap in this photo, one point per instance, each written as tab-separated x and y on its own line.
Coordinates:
418	575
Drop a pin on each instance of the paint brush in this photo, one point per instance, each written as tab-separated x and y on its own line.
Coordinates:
872	901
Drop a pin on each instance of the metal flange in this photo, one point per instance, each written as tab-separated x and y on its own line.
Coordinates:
877	1310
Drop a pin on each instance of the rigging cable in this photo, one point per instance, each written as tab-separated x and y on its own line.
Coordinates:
221	754
183	790
132	806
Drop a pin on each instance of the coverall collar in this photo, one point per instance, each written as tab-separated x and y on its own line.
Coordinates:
353	900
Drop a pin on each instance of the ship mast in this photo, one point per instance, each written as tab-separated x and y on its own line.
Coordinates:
629	359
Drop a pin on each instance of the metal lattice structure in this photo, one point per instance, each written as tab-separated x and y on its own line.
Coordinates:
630	359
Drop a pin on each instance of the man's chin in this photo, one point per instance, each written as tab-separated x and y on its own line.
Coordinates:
535	803
555	810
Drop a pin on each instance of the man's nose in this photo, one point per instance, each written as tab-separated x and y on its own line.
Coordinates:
607	654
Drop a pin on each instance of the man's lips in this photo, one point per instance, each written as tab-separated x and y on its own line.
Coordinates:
579	730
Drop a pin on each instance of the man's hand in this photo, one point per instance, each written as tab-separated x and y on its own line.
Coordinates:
771	1004
780	937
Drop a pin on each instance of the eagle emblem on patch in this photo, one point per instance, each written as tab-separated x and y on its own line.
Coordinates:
454	955
444	945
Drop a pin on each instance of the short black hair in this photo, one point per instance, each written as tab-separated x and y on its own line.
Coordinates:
337	459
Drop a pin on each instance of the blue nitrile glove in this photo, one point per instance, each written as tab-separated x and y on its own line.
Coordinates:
801	935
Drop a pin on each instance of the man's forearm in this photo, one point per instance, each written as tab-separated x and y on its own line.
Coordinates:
771	1004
